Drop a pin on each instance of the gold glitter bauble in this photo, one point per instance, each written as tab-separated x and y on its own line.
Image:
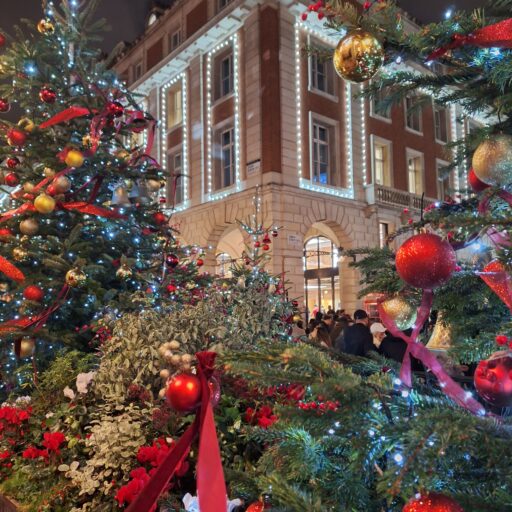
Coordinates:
62	184
46	27
75	277
20	254
44	203
492	160
29	227
297	318
26	124
28	187
124	272
358	56
400	311
27	347
49	172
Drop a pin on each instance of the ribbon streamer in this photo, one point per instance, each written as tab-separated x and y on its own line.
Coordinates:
498	35
91	209
420	352
499	281
11	271
66	115
211	487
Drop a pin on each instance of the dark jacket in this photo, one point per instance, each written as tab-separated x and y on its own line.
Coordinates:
394	348
358	340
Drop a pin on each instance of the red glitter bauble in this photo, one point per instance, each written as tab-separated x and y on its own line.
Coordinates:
11	180
184	392
159	218
172	260
16	137
257	506
425	261
47	94
51	190
493	379
34	293
13	162
476	184
114	108
5	232
199	262
266	247
433	502
257	244
5	106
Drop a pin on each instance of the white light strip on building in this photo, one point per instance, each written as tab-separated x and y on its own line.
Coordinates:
307	183
184	138
214	196
453	123
364	156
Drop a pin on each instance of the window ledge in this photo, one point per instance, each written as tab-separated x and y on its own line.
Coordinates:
327	95
412	130
220	100
381	118
442	142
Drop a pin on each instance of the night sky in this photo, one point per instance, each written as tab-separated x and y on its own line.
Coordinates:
127	17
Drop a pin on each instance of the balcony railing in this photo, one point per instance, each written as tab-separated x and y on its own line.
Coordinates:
377	194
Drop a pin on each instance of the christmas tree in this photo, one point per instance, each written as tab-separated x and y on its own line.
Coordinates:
81	228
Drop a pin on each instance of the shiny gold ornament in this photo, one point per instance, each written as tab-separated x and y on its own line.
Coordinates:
400	311
124	272
154	185
75	278
441	336
29	227
28	187
296	318
45	27
44	203
62	184
492	160
74	158
358	56
122	154
20	254
27	347
120	197
49	172
87	141
26	124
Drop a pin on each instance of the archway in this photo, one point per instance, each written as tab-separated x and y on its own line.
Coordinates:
228	250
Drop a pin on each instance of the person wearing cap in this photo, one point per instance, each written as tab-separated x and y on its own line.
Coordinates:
358	339
378	332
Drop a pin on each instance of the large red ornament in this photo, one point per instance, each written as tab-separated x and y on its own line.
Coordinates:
11	180
257	506
16	137
425	261
33	293
13	162
199	262
172	260
114	108
184	392
159	218
476	184
47	94
433	502
5	106
493	379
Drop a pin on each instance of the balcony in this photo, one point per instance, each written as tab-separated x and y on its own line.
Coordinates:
380	195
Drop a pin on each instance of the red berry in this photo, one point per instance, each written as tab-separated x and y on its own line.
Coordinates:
159	218
266	247
33	293
257	244
304	16
367	5
171	288
199	262
321	15
5	106
13	162
114	108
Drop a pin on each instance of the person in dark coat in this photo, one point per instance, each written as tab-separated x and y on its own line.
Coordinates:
394	348
357	338
334	326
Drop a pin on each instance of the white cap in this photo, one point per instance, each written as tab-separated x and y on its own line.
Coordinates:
377	327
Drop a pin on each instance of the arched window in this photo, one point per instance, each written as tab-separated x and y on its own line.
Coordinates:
223	264
321	275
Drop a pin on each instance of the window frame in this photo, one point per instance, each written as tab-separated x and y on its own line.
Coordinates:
412	153
171	37
374	140
333	171
450	178
380	117
172	155
174	90
382	239
218	79
406	117
331	78
222	4
435	110
218	148
138	66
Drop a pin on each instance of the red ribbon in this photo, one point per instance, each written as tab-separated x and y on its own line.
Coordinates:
498	35
11	271
499	281
66	115
420	352
27	207
211	487
91	209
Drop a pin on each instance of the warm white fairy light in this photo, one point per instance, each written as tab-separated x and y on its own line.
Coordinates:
214	196
364	159
453	123
184	140
304	182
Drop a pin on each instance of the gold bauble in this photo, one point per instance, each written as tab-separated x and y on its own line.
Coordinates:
45	27
28	187
29	227
49	172
26	124
400	311
20	254
358	56
124	272
27	347
74	158
87	141
154	185
441	336
122	154
44	203
62	184
75	278
492	160
296	318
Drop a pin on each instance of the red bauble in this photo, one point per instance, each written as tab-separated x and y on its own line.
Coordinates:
34	293
159	218
476	184
493	379
114	108
51	190
266	247
16	137
2	40
433	502
13	162
199	262
275	233
266	240
257	244
184	392
257	506
5	106
172	260
11	180
425	261
5	232
47	94
171	288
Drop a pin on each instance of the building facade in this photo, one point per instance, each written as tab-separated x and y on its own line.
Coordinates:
243	108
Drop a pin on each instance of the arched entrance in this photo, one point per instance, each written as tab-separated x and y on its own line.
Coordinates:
228	250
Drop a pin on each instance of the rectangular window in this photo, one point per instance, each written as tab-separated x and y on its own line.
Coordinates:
443	182
175	185
441	123
321	75
137	71
175	40
415	173
174	107
383	234
413	114
323	160
225	159
382	163
223	3
377	105
226	76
